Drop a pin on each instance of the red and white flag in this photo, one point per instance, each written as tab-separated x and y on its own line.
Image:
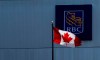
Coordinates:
65	38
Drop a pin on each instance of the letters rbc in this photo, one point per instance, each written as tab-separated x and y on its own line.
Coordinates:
74	29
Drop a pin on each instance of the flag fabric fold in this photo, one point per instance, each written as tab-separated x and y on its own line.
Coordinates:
65	38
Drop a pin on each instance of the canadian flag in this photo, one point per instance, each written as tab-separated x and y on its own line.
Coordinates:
65	38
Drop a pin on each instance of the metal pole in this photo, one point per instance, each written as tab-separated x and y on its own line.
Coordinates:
52	42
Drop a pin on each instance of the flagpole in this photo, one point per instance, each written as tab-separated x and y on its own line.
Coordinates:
52	42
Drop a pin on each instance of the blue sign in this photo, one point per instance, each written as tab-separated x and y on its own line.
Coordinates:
76	19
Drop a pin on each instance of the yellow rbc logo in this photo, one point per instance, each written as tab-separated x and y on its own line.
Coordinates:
73	21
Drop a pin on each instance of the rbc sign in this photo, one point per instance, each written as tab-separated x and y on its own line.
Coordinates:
76	19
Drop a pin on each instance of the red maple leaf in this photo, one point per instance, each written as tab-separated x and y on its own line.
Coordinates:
66	38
